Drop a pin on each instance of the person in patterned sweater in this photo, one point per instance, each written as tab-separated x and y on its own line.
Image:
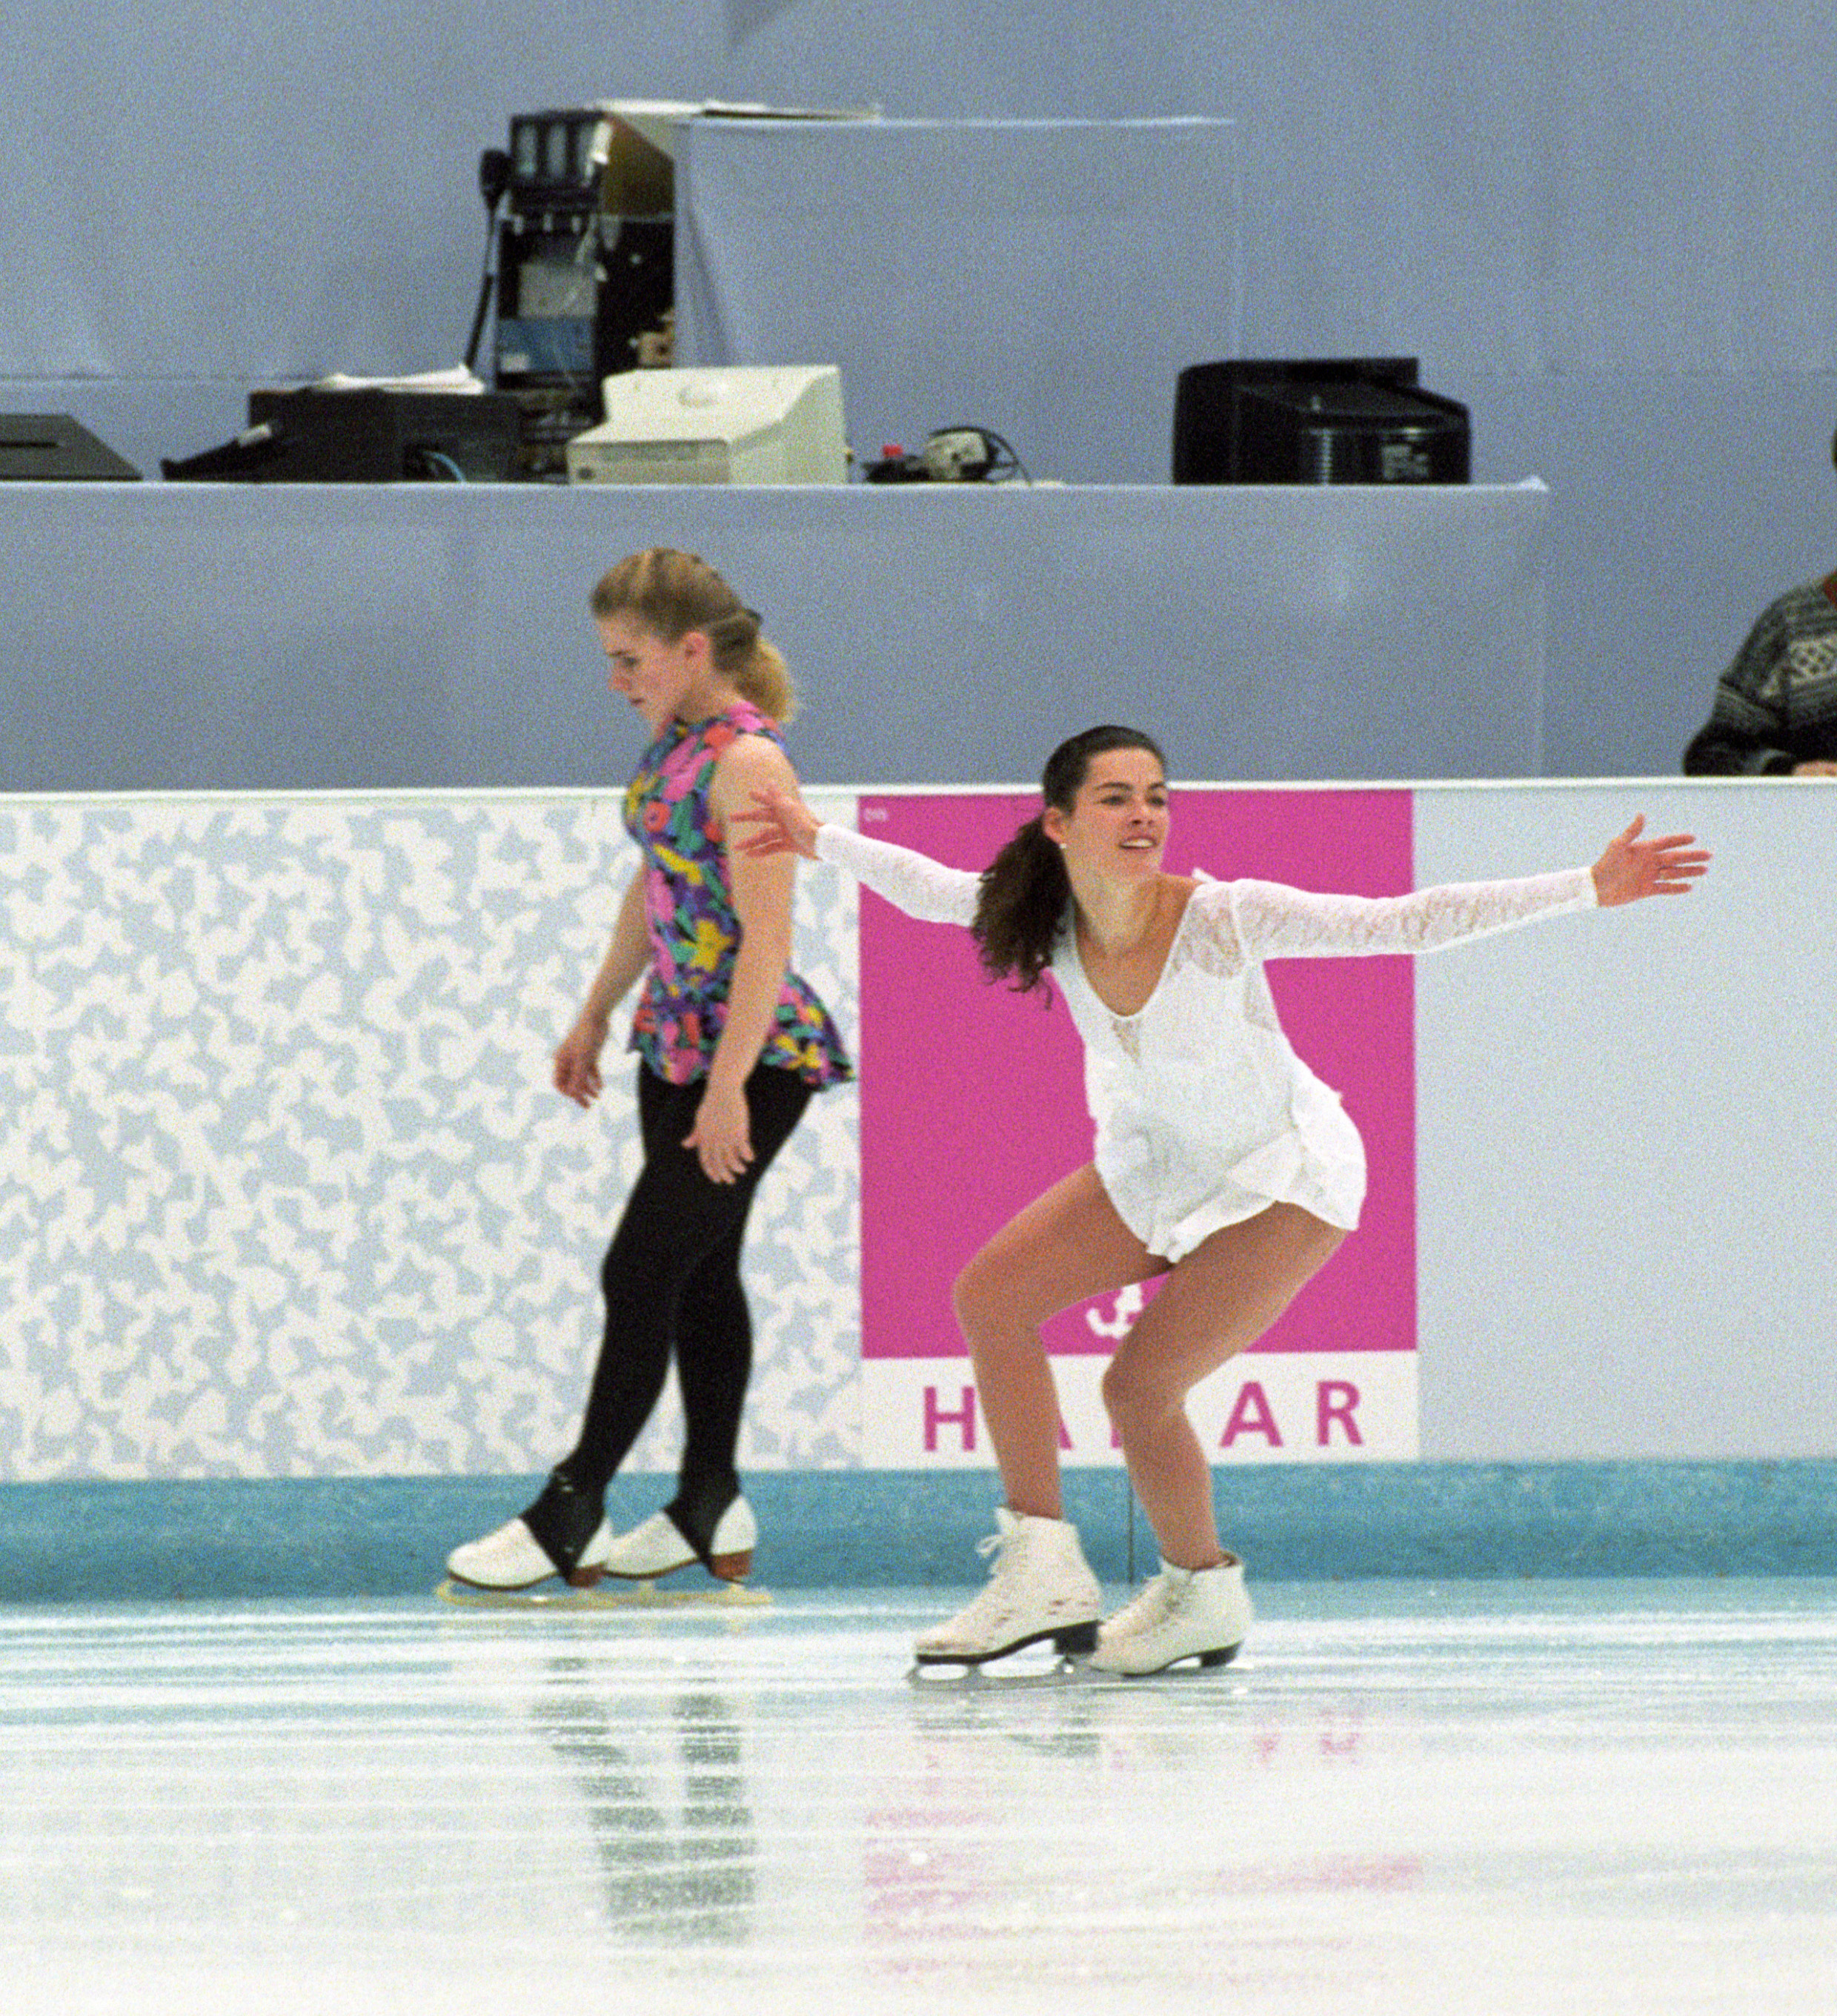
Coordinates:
1775	711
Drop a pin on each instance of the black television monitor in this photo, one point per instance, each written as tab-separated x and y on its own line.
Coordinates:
1320	419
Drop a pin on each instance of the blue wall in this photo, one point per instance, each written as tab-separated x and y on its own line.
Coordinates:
300	637
1608	229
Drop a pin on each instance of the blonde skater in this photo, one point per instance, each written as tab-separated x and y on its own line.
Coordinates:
731	1046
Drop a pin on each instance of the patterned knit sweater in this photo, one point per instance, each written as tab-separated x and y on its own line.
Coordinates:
1776	706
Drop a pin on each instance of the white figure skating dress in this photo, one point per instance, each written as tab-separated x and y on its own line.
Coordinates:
1204	1114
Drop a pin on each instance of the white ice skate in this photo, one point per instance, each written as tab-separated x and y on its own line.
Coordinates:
1183	1614
1039	1587
513	1558
658	1547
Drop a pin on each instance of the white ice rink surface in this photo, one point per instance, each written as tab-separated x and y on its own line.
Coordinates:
1546	1797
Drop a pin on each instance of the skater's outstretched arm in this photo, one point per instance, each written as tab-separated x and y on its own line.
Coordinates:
1274	922
782	823
577	1059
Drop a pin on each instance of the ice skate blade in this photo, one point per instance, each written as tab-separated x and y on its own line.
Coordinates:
941	1676
619	1595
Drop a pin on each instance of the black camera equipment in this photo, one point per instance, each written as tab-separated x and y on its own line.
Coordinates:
585	274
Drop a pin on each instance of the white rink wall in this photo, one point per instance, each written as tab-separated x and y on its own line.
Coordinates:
284	1192
1627	1177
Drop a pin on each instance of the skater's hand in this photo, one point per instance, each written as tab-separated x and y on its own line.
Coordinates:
577	1062
1630	867
786	825
722	1136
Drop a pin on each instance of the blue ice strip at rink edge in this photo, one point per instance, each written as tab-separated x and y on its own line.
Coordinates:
351	1537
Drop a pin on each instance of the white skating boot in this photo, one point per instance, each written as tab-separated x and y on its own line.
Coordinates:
1183	1614
1039	1587
658	1547
513	1558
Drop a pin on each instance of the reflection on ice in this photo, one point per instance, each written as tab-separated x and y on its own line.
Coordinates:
1522	1798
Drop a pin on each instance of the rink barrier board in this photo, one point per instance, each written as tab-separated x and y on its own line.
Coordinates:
288	1194
333	1538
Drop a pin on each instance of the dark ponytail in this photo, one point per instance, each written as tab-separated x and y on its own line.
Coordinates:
1020	908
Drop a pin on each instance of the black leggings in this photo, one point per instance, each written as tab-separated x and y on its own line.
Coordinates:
672	1282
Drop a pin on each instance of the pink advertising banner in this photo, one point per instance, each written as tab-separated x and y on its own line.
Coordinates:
972	1096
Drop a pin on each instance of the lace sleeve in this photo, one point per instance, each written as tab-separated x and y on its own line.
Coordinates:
909	881
1273	921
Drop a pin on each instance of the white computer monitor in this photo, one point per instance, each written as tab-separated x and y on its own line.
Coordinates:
717	424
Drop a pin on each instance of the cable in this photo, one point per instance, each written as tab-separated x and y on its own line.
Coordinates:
494	179
998	473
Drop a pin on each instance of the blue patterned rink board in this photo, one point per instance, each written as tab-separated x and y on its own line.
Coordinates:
1513	1797
287	1190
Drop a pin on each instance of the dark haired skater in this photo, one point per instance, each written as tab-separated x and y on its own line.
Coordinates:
1223	1167
731	1045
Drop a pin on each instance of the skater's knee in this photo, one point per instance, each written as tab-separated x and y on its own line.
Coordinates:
1134	1397
991	1302
646	1270
1119	1392
975	1297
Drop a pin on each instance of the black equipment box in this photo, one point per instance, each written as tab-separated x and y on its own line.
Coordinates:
369	435
586	275
364	434
1346	419
52	447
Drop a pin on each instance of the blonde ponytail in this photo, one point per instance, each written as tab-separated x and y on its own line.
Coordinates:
766	681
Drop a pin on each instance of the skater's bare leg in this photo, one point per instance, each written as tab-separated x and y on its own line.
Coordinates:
1065	1246
1223	1296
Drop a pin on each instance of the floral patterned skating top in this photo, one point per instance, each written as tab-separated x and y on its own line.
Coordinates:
691	921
